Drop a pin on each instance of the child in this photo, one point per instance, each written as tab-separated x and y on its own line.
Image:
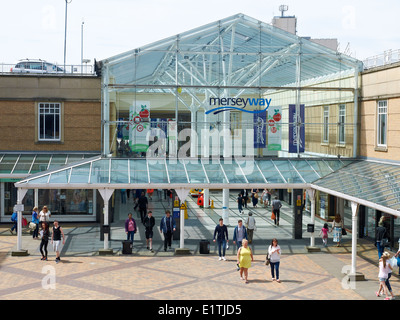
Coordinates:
389	287
324	232
384	270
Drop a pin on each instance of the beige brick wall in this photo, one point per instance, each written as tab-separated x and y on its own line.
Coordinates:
368	132
81	112
381	83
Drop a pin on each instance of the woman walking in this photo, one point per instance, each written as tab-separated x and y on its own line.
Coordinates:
44	215
337	227
384	270
35	220
274	252
244	258
44	234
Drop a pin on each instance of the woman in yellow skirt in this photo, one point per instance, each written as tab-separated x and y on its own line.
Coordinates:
244	258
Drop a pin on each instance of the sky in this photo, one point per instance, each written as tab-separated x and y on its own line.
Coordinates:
36	29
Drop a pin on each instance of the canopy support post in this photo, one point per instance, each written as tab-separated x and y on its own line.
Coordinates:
106	195
354	275
19	208
182	194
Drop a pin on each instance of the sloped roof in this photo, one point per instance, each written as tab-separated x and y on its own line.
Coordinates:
237	51
373	184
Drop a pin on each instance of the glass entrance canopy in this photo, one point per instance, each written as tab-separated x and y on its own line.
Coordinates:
21	165
372	184
377	184
116	173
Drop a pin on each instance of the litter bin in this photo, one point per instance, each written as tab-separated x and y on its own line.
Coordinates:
310	227
126	247
204	247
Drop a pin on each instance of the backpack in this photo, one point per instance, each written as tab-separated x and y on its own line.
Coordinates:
14	217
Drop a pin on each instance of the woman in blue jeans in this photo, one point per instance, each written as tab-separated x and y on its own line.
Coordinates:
274	252
381	235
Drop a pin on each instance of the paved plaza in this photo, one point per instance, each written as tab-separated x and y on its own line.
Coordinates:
83	274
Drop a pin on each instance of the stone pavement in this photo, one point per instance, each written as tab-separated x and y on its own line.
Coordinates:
84	275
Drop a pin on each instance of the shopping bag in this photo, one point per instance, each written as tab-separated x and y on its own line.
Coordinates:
393	261
24	222
273	216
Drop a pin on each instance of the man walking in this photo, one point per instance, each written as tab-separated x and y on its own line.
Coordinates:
239	234
222	238
167	226
240	203
142	204
276	209
149	223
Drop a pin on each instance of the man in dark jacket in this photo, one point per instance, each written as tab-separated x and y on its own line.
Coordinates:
222	238
142	204
149	223
167	226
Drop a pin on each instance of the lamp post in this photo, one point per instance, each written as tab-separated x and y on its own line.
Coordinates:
83	22
65	35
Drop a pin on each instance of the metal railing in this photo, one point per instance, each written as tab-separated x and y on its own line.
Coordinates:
84	69
388	57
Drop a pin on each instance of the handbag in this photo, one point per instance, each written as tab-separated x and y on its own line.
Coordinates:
344	232
32	225
24	222
267	259
384	242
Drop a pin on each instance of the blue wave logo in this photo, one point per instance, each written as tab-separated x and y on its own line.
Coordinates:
229	103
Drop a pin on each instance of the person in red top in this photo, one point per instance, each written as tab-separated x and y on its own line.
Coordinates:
130	227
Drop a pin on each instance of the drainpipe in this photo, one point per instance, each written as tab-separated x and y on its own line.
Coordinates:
355	133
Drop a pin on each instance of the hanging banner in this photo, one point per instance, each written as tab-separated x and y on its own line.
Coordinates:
293	130
139	117
275	129
260	129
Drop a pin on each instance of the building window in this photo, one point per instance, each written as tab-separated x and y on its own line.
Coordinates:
382	123
341	123
49	121
325	137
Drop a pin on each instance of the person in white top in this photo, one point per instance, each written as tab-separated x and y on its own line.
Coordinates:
274	252
384	270
44	215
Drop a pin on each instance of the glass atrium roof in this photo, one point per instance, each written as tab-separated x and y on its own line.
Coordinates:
237	51
137	173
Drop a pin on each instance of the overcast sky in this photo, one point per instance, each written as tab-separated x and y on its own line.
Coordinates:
35	28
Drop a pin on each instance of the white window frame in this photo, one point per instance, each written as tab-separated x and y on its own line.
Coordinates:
382	113
56	108
325	126
341	124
